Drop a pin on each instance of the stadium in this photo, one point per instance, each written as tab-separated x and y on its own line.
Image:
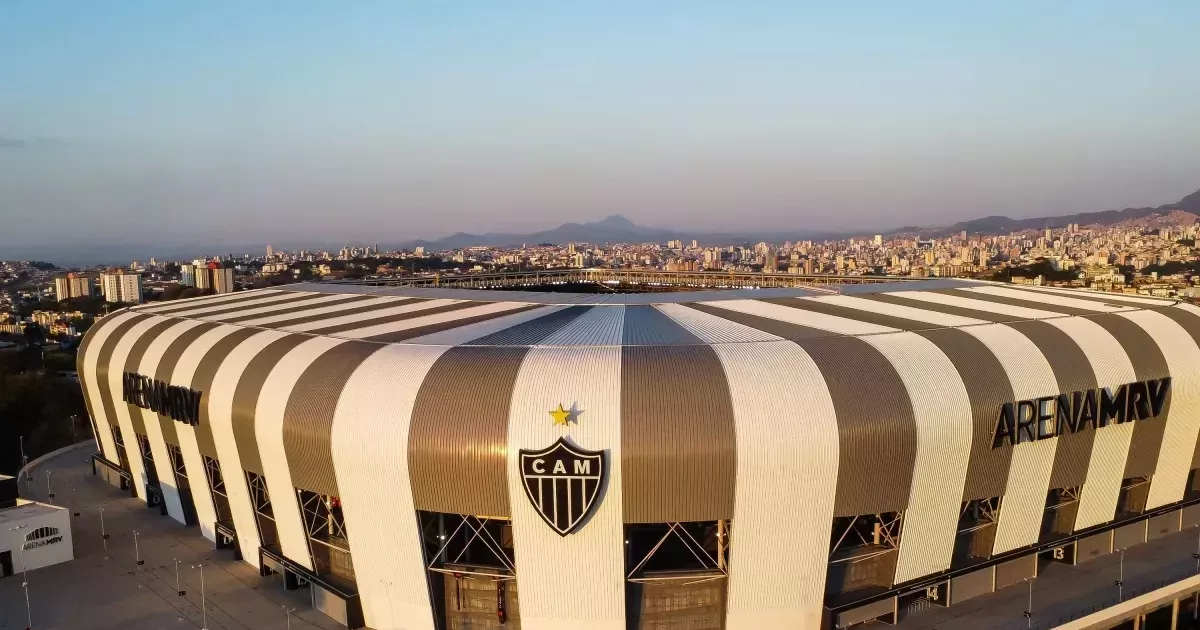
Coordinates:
432	457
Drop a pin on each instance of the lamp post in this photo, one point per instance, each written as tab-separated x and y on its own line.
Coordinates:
288	613
24	459
1029	608
177	589
103	534
203	600
1120	583
24	577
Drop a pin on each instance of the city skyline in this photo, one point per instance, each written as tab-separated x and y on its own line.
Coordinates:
141	124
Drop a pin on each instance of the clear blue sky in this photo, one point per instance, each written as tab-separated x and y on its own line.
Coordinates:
382	121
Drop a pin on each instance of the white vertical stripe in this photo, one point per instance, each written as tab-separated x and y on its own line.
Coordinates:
116	368
1008	310
1191	308
593	556
942	411
158	445
839	325
362	317
1183	418
208	307
599	326
220	416
427	320
785	486
1024	499
268	432
712	329
1050	298
470	332
319	310
1110	447
316	300
896	310
90	380
185	372
166	307
370	451
1115	297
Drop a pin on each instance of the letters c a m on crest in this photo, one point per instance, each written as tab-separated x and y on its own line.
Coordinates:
563	483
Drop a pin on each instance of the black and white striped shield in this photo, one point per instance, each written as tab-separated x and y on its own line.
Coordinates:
563	483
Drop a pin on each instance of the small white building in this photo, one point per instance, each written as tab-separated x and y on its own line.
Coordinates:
32	535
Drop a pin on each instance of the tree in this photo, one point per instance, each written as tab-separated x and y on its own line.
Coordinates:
34	335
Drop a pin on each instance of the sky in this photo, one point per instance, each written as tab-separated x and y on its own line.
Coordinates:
277	121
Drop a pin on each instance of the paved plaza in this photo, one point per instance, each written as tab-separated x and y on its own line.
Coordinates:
107	590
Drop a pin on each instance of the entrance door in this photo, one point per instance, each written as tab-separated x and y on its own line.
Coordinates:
6	567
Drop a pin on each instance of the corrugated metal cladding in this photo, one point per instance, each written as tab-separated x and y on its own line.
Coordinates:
193	303
342	303
1148	363
308	419
533	331
677	434
458	438
877	433
166	367
987	467
1073	373
448	324
202	382
245	398
760	407
92	343
104	365
581	379
133	362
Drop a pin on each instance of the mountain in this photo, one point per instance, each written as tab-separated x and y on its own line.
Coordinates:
1003	225
611	229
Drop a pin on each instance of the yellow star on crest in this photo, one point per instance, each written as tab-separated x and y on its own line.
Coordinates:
561	416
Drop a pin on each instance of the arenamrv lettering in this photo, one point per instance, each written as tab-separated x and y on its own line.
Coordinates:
42	543
178	403
1052	416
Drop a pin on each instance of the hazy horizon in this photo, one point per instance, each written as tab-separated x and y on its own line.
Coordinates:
136	122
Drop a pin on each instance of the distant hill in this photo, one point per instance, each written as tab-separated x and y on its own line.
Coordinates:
611	229
1003	225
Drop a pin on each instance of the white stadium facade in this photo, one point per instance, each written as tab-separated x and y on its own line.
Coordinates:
744	459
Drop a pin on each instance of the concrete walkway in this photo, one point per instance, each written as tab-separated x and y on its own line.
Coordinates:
1061	591
107	590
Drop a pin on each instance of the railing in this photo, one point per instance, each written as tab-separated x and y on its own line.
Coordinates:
1109	602
698	279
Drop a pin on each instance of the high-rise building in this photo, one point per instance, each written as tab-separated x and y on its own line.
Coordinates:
203	278
270	252
62	288
187	274
72	286
122	287
223	280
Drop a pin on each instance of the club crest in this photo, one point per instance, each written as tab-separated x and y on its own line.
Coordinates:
563	483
